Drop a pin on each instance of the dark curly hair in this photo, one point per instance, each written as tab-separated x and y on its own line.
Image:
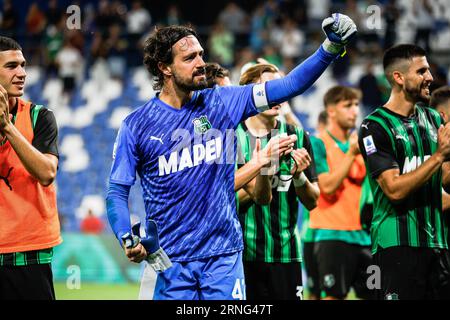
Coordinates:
158	48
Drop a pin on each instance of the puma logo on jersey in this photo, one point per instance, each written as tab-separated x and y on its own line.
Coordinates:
413	164
364	125
157	139
210	151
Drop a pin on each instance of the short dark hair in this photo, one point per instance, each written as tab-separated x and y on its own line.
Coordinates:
340	93
440	96
323	117
158	48
9	44
400	52
213	71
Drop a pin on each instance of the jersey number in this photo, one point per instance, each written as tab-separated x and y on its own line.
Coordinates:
282	183
239	290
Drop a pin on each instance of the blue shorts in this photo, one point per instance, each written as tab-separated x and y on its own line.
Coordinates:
215	278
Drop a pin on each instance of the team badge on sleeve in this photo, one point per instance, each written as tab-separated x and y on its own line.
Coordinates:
369	145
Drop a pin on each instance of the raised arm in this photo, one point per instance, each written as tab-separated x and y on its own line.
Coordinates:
339	29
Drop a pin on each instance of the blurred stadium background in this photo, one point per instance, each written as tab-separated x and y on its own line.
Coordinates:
92	77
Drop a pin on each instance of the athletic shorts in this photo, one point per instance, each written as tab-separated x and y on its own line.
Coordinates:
273	281
341	266
31	282
214	278
312	272
410	273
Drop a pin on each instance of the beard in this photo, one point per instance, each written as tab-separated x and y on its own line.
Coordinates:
190	84
346	123
415	95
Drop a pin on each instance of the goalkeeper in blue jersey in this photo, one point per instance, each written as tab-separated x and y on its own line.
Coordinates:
179	143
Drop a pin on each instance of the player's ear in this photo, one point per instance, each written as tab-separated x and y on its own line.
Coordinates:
331	110
165	68
398	78
443	115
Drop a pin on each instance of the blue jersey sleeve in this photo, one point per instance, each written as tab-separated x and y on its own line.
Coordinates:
298	80
238	101
245	101
125	159
117	209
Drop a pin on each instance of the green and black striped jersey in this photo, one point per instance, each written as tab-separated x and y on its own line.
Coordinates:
26	258
388	140
270	231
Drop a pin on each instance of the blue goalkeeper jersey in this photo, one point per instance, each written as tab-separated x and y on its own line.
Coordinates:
185	160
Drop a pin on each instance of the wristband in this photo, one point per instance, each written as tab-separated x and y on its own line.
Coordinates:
300	182
333	47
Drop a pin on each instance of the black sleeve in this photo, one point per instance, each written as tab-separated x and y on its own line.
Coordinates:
310	172
376	148
46	133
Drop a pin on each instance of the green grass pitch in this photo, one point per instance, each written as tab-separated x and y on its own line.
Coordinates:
94	291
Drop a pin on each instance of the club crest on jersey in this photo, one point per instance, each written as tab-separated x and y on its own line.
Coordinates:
201	125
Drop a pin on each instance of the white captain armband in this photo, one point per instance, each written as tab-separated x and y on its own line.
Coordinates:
260	97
